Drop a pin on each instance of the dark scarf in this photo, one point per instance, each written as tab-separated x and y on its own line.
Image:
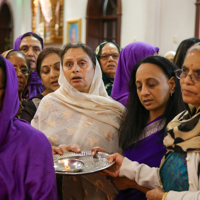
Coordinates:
108	82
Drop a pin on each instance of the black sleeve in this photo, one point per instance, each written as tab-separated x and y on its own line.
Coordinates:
29	110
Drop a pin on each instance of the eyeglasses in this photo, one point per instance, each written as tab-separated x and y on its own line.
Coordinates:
181	74
115	56
1	88
24	71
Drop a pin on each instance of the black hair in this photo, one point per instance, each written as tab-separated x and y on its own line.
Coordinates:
81	45
34	35
182	50
3	67
45	52
136	116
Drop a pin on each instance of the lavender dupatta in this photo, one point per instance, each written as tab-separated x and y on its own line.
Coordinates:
129	56
35	85
149	151
26	163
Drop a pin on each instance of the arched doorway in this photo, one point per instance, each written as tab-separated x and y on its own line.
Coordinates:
6	27
103	22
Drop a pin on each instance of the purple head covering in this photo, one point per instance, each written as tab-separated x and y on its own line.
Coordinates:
18	41
129	56
35	84
26	169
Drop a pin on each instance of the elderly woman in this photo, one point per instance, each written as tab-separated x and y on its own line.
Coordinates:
22	69
129	56
81	113
26	170
178	175
48	68
107	54
31	44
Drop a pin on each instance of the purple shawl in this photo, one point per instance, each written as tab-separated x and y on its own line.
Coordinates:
128	57
149	151
26	169
35	85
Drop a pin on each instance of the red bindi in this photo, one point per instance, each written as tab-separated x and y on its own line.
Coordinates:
74	56
191	64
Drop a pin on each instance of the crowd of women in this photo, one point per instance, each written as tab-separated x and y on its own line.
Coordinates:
132	102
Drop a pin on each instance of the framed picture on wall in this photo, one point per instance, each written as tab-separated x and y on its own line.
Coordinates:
73	30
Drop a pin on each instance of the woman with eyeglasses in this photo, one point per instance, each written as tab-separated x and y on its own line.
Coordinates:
23	70
179	174
107	54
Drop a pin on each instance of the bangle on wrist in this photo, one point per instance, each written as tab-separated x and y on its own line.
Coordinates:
164	195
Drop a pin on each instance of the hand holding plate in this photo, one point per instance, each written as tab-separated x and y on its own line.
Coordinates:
115	168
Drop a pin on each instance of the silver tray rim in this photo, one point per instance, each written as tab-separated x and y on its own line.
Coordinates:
82	172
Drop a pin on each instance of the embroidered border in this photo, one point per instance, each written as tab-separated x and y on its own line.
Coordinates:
152	128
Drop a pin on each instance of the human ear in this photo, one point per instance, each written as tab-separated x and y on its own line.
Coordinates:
172	84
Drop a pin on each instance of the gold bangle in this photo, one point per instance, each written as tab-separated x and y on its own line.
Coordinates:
164	195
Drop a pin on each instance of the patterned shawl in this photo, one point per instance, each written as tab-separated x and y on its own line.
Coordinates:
183	132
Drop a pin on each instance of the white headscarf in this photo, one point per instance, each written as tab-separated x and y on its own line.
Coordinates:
68	116
170	52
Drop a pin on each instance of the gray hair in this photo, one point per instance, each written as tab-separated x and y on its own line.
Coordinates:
195	47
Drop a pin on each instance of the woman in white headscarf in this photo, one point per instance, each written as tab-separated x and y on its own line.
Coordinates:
170	55
81	113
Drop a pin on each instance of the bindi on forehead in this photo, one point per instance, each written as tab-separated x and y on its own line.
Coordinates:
191	65
74	56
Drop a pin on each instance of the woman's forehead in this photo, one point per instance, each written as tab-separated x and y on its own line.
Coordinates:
192	60
75	53
148	70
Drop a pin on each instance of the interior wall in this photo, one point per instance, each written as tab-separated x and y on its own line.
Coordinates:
177	23
158	22
75	9
138	21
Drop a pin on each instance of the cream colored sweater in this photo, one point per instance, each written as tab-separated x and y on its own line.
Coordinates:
149	177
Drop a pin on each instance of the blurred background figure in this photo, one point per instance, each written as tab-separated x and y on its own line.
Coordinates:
31	44
107	54
22	68
182	49
170	55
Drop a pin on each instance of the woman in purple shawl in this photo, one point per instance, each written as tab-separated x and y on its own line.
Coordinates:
154	100
26	169
31	44
129	56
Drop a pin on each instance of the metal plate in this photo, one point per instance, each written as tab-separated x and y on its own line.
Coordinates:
68	165
91	164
